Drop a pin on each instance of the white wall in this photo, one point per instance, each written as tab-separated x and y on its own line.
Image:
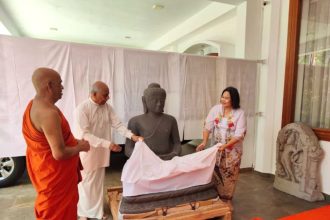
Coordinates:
200	20
220	31
227	50
325	165
8	24
240	30
253	29
273	50
260	146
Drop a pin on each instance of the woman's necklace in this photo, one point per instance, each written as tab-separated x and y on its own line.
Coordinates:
218	120
229	118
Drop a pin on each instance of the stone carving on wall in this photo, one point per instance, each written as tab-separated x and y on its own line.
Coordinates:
298	157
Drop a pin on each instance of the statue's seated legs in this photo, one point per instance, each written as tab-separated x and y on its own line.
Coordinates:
148	181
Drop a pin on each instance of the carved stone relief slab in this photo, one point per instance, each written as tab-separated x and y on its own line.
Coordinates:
298	157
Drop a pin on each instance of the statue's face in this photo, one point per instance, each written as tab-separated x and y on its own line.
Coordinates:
155	103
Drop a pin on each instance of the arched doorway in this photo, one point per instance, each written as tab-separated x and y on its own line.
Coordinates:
203	49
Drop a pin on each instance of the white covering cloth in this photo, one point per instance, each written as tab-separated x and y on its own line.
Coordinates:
146	173
91	194
93	123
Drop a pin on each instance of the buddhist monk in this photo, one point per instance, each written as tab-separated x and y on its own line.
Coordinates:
52	155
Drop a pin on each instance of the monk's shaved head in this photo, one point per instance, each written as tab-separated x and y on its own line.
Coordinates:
42	76
99	86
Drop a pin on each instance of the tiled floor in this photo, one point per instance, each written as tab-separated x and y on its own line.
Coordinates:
254	197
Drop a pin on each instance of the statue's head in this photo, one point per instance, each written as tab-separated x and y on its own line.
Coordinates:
154	98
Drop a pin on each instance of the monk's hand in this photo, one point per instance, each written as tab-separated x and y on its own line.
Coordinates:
84	145
201	146
115	147
136	138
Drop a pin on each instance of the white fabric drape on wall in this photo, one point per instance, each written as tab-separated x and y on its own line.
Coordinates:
243	75
193	83
199	94
90	64
19	57
140	69
205	79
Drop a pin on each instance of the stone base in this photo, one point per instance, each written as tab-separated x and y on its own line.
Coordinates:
145	203
293	189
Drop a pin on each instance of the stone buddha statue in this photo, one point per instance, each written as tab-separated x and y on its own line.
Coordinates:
160	131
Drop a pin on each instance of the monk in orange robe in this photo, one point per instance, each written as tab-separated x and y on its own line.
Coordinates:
52	154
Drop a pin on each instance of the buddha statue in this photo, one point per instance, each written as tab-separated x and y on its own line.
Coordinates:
161	135
160	131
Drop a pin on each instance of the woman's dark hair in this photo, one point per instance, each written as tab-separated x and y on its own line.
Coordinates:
234	96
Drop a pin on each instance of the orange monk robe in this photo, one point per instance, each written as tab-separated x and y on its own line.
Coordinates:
54	180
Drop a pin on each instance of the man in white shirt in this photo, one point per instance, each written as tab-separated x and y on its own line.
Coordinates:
94	119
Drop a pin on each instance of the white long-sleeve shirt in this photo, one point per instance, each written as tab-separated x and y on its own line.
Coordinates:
93	123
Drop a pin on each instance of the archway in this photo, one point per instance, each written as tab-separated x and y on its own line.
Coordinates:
205	48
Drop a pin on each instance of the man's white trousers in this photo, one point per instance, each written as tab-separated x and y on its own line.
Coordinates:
91	194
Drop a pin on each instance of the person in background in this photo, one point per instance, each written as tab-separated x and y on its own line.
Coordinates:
52	153
94	120
226	123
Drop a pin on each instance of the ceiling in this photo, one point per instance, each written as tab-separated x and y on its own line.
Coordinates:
128	23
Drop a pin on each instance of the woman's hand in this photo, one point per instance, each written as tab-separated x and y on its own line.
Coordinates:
222	148
201	146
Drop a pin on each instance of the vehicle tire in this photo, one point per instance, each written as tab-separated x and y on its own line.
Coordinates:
11	169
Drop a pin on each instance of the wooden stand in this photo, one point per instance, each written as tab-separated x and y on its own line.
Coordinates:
193	211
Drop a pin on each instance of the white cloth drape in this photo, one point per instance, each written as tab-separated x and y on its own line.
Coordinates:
145	172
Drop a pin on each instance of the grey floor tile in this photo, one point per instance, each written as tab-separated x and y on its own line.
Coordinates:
254	196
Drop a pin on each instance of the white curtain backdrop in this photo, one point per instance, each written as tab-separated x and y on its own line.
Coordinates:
200	92
205	79
140	69
193	83
243	75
